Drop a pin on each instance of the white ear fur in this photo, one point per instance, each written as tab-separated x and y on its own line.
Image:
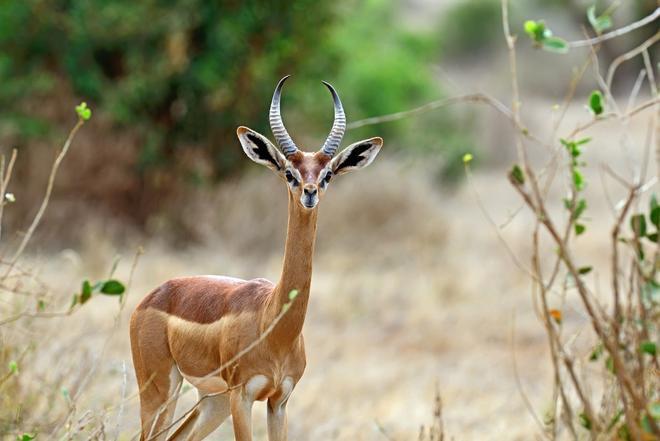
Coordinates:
258	148
356	156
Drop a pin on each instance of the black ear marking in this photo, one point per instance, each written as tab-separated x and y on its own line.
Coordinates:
355	157
262	150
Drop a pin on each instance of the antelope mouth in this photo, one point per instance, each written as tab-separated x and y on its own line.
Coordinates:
309	203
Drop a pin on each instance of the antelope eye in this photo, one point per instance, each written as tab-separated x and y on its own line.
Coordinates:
325	179
290	178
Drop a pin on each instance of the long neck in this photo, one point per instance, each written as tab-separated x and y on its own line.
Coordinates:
296	275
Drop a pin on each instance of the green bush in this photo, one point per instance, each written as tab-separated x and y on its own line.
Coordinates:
178	77
182	71
470	26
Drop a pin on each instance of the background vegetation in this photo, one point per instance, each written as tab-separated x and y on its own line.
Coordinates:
419	296
177	78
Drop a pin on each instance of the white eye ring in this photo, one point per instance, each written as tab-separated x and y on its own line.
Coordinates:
326	179
290	178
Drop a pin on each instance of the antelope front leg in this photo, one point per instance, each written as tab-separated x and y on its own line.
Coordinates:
276	419
241	414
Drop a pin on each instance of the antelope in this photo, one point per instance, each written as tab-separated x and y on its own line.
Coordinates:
190	327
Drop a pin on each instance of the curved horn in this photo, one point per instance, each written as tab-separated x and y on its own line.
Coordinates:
277	125
338	126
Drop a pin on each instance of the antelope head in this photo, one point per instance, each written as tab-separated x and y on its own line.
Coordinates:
306	174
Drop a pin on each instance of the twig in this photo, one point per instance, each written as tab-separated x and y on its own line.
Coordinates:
581	128
44	203
629	55
382	430
516	375
490	220
478	98
4	182
618	32
636	88
433	105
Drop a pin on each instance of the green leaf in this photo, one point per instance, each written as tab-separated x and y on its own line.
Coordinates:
579	209
293	294
578	179
572	147
41	305
26	437
646	424
112	288
638	225
624	433
517	174
530	27
651	292
585	270
615	419
654	408
579	229
13	367
655	212
84	112
653	237
467	158
582	141
596	102
609	364
555	44
584	421
604	22
640	251
648	347
85	292
536	30
600	23
596	352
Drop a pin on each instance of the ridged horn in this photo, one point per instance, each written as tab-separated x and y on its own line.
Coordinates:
277	125
338	126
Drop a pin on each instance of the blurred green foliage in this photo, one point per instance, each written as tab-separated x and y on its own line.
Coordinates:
185	73
470	26
179	71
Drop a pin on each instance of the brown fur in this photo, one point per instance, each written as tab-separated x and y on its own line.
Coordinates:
205	299
192	326
199	323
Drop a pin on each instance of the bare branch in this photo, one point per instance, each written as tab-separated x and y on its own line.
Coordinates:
618	32
46	200
629	55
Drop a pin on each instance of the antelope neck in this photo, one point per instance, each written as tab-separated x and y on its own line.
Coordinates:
296	274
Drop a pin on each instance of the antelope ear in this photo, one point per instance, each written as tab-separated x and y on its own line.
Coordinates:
258	148
356	156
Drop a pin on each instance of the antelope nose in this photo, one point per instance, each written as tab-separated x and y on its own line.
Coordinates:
310	190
